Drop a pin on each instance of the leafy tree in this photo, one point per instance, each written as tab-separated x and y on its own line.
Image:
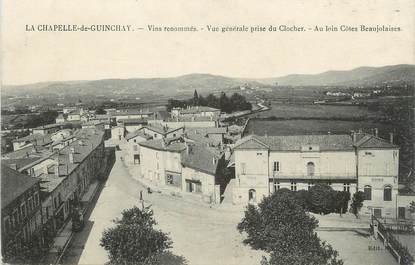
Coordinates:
280	226
303	197
226	104
412	207
321	199
134	240
357	203
100	110
341	201
24	253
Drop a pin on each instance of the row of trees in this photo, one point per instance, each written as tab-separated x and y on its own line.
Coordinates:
235	102
322	199
281	227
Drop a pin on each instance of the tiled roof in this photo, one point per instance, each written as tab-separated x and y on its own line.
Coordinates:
201	158
162	129
26	152
208	130
131	112
190	119
175	145
20	162
49	182
39	139
325	142
48	126
87	141
197	109
371	141
13	184
133	121
138	133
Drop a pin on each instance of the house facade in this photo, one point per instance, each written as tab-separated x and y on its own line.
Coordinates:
21	213
349	163
182	167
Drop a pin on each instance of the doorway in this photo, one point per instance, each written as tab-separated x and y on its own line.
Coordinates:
401	212
136	159
252	195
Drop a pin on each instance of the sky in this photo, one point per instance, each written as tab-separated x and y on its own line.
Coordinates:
29	57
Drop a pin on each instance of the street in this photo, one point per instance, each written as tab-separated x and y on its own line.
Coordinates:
200	234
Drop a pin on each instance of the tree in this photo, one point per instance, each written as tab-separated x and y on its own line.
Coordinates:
341	201
100	110
357	203
134	240
412	207
195	98
24	253
321	199
280	226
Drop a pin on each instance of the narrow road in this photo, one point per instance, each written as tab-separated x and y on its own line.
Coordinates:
200	234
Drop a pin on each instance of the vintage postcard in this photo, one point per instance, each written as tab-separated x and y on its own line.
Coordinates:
229	132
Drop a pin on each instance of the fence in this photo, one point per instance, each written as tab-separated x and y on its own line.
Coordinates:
395	247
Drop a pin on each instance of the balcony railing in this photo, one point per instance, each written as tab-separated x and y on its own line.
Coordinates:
316	176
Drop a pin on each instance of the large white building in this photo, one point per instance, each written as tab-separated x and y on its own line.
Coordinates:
346	162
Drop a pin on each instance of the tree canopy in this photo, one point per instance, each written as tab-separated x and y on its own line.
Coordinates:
134	240
235	102
280	226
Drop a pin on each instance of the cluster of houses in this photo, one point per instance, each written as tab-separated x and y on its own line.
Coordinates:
208	160
188	152
45	180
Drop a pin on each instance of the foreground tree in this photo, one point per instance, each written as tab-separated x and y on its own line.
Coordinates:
134	240
357	203
281	227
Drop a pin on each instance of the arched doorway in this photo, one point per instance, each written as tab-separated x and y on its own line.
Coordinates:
252	195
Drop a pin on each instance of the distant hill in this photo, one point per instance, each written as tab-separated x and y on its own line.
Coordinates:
358	76
204	83
207	83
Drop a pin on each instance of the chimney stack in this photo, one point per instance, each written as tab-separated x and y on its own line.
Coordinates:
354	137
57	168
376	132
71	160
391	138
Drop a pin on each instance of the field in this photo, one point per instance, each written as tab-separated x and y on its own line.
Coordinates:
281	110
312	126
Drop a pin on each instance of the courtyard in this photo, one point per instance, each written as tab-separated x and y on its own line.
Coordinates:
200	233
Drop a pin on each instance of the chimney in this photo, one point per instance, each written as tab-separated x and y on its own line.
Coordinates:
391	138
13	166
354	137
57	168
376	132
266	134
71	160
